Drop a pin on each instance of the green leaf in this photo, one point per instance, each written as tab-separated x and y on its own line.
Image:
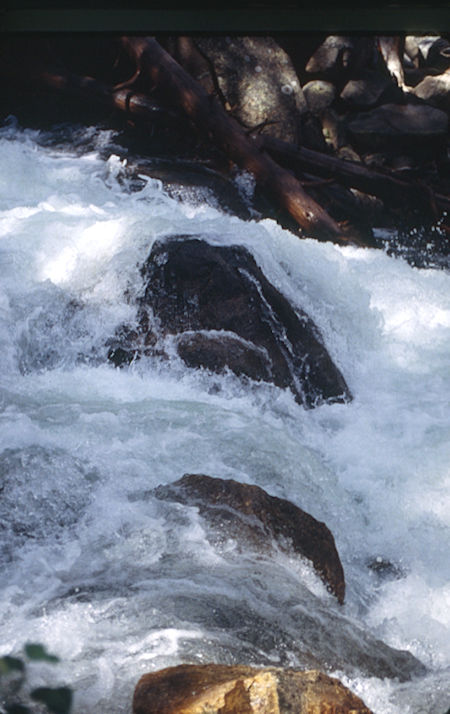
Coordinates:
11	664
57	700
38	652
17	709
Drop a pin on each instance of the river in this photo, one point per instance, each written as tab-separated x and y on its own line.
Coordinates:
117	583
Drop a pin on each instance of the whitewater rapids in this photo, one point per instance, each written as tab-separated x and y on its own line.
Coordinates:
116	583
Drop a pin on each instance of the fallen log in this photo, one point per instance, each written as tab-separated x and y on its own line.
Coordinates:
384	185
120	97
182	91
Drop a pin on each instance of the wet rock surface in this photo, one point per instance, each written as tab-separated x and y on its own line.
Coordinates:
226	314
195	183
222	689
257	518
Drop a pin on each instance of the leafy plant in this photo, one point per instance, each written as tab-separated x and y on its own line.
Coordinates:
13	675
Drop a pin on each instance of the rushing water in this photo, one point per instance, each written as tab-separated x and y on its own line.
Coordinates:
118	583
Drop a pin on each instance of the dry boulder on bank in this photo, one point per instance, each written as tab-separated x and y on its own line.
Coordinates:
222	689
257	81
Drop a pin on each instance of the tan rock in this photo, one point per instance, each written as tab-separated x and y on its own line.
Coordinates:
238	689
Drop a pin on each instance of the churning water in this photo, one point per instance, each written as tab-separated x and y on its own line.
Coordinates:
118	583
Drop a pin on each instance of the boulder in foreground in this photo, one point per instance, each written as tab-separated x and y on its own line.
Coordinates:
248	512
238	689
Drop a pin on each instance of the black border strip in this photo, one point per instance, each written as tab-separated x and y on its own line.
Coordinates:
318	17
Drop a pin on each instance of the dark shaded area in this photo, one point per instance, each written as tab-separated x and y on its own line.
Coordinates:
244	16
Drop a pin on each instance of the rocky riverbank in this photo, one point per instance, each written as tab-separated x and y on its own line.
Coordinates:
356	124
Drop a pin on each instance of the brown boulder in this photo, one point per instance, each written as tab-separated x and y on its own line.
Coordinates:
257	517
238	689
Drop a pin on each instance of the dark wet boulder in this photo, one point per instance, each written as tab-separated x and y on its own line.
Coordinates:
221	351
248	512
194	183
224	313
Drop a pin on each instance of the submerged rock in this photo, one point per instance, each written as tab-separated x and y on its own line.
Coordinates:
195	183
224	689
225	314
251	513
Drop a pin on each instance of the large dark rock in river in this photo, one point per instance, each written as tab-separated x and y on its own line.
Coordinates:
226	314
250	513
